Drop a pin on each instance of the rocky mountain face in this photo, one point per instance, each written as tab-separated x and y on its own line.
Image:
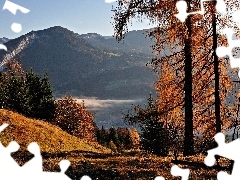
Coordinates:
4	40
134	42
84	65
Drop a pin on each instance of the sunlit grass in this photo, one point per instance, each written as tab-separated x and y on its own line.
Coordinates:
50	138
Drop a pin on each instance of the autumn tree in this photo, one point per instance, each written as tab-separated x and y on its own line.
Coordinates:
74	118
161	11
133	139
187	83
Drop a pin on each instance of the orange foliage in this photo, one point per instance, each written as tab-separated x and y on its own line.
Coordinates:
134	136
169	37
74	118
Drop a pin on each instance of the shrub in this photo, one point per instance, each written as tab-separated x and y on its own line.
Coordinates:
74	118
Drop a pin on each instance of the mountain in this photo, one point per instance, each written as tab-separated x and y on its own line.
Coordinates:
4	40
134	41
80	66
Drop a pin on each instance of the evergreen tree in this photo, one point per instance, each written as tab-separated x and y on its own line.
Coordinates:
26	92
155	138
114	137
2	90
128	144
33	84
12	88
40	96
15	95
46	104
102	136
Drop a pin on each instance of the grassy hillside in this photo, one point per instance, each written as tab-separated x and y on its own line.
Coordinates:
50	138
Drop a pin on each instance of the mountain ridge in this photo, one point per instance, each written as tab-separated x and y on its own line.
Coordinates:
74	64
78	67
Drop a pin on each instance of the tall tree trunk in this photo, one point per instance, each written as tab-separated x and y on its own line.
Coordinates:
188	140
216	73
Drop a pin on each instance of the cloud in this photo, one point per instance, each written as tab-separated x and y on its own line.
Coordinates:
97	104
110	1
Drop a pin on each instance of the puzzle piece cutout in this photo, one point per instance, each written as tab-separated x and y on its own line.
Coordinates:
177	171
182	9
2	46
12	7
227	51
227	150
220	51
10	169
86	178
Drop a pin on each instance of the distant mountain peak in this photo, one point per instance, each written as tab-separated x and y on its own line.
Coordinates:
79	62
4	40
92	36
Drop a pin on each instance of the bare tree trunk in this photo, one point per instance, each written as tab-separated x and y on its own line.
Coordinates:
216	72
188	140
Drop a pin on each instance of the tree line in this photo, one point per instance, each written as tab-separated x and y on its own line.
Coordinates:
31	95
26	92
119	139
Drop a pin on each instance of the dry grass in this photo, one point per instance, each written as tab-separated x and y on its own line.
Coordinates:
132	167
50	138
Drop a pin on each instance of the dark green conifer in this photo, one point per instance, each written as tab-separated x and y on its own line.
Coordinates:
154	136
46	105
33	84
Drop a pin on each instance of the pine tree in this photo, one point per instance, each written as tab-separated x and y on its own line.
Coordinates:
33	84
114	137
154	136
46	104
127	141
13	92
101	136
15	97
26	92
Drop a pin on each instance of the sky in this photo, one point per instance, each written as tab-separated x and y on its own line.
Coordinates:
80	16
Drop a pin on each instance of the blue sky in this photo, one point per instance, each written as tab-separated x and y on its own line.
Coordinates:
80	16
